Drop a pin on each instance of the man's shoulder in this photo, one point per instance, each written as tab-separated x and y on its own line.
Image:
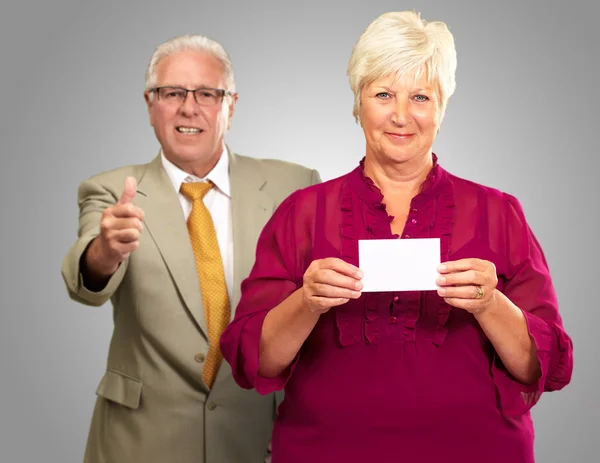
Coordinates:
118	175
273	166
281	177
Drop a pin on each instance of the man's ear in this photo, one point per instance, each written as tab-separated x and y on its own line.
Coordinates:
234	99
149	98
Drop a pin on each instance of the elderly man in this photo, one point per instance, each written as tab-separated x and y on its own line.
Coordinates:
169	243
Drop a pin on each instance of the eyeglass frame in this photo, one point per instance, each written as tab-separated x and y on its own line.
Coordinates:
187	90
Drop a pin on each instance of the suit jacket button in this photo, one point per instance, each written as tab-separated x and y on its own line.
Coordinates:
211	405
199	358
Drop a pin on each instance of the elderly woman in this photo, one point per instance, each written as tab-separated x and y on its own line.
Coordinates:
418	376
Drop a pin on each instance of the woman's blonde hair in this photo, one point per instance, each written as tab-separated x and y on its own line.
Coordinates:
401	43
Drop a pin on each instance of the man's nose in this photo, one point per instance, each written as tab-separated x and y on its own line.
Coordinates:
189	107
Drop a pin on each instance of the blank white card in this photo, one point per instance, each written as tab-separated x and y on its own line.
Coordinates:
399	264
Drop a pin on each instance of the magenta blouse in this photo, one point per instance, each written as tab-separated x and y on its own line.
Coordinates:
400	376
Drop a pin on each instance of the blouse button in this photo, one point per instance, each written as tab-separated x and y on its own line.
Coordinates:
393	320
414	211
406	236
414	221
368	320
396	299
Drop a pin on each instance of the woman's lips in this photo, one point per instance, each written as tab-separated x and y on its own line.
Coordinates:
399	136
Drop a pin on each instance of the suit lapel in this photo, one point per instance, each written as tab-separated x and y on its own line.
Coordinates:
165	222
251	208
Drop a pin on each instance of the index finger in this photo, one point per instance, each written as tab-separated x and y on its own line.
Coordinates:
461	265
342	267
127	210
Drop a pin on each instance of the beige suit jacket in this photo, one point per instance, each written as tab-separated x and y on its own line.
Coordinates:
152	405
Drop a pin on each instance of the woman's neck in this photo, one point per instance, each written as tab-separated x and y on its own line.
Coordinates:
399	179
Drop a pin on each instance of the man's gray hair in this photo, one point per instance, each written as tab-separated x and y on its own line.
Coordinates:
190	42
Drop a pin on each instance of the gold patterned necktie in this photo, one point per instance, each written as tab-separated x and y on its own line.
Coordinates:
210	272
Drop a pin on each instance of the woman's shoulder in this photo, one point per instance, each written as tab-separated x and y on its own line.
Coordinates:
493	199
303	203
310	193
470	189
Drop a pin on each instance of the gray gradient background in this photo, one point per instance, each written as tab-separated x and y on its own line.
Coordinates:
71	81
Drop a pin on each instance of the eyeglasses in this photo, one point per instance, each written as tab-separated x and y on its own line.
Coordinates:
202	96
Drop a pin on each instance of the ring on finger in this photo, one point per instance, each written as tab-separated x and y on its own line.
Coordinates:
480	292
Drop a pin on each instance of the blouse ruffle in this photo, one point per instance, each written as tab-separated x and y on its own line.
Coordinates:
364	216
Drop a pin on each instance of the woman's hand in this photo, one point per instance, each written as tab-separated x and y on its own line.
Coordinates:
327	283
468	284
330	282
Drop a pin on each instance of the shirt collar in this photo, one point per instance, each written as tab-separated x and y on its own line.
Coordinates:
370	193
219	175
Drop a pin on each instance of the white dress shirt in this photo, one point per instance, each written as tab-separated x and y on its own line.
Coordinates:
218	203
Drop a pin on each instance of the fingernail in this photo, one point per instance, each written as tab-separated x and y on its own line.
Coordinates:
441	291
358	285
359	274
441	267
441	280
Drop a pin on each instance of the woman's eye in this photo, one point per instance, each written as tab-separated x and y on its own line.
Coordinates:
383	95
421	98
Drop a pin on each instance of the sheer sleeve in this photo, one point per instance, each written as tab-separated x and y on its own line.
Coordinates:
527	283
274	276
